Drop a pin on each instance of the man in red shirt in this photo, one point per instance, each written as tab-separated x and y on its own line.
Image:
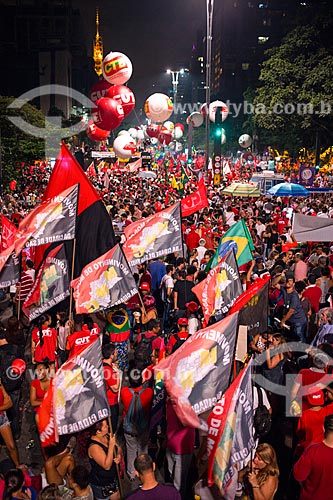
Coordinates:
136	417
177	339
314	470
81	337
112	382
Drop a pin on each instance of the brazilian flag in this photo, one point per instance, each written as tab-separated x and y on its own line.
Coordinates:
238	236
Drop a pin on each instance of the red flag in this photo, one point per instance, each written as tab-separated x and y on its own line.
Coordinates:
52	221
134	167
51	285
105	282
230	434
91	170
45	418
219	290
94	230
156	235
8	233
195	201
198	372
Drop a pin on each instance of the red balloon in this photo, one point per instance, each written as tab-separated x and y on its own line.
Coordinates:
12	185
158	206
124	96
109	113
165	136
153	130
98	90
180	125
18	366
95	133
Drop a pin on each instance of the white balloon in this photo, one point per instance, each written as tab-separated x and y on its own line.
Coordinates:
124	146
123	132
158	107
169	125
117	68
245	140
212	110
177	133
140	134
153	140
133	132
196	119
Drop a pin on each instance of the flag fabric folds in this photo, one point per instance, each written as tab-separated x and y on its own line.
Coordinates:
198	372
10	273
94	230
308	228
76	397
195	201
156	235
239	234
8	232
51	285
253	306
105	282
52	221
79	395
230	434
219	290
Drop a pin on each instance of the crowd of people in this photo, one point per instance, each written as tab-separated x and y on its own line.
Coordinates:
155	323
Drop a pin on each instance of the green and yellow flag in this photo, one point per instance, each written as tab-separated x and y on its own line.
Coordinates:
238	237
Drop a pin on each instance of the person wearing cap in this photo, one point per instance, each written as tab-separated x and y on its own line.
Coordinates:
177	339
310	426
293	312
314	469
194	323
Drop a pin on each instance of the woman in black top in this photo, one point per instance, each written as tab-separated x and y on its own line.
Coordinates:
101	453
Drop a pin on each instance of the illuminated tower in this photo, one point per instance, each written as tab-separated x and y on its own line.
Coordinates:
98	48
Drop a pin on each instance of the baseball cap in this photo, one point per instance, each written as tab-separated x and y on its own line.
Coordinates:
144	286
182	322
259	259
192	306
316	398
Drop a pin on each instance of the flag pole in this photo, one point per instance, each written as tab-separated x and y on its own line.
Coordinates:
72	277
117	465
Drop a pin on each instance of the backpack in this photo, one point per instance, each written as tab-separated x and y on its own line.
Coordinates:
135	421
262	420
178	343
143	351
10	380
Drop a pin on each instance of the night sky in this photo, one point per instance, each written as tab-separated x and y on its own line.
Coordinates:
155	35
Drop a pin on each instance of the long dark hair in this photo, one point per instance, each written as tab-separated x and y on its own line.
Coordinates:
43	318
14	480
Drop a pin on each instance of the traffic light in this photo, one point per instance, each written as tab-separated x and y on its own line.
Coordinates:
218	131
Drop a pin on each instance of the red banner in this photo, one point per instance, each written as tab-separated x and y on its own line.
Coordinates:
195	201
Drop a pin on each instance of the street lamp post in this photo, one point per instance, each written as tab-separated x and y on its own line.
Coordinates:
175	80
209	30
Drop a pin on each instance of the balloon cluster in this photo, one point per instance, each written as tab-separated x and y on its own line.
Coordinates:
196	118
113	100
158	108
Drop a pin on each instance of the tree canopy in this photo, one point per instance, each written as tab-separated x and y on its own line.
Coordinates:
296	95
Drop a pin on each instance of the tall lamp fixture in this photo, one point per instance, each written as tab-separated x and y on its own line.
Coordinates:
209	30
175	80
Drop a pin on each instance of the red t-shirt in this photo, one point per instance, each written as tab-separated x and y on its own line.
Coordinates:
313	293
111	378
48	350
146	398
306	378
77	340
40	393
310	427
315	471
173	339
